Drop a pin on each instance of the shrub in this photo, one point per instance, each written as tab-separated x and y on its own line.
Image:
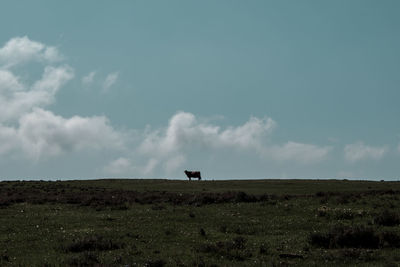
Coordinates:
346	237
90	243
263	249
155	263
223	228
390	239
202	232
354	237
387	218
357	237
83	259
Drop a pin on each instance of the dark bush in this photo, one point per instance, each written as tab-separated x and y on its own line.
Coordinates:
223	229
321	194
322	240
390	239
387	218
356	237
155	263
91	243
202	232
243	197
86	258
346	237
263	249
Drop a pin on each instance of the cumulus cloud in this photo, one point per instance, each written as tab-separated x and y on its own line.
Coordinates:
88	79
26	126
17	98
9	82
184	130
168	147
359	151
110	80
43	133
20	50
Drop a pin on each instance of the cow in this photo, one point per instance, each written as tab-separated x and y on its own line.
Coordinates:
193	174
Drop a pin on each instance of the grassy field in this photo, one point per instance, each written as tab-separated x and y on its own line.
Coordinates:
208	223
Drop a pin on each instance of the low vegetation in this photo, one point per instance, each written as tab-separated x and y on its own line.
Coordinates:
206	223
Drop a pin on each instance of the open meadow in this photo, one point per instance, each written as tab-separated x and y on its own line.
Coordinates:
134	222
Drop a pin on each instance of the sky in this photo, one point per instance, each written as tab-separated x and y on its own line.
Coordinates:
235	89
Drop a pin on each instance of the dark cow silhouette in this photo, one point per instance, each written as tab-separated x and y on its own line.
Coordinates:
192	174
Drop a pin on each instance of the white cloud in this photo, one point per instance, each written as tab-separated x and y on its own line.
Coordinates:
249	135
9	82
17	99
359	151
120	166
25	126
110	80
88	79
8	139
20	50
40	134
168	147
184	130
53	78
302	153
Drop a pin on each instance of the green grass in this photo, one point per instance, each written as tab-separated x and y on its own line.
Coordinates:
181	223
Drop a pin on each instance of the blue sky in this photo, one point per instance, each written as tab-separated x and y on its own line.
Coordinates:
254	89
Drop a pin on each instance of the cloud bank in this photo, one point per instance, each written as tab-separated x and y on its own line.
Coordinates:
30	130
168	148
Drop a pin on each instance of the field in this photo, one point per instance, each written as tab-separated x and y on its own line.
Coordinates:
133	222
